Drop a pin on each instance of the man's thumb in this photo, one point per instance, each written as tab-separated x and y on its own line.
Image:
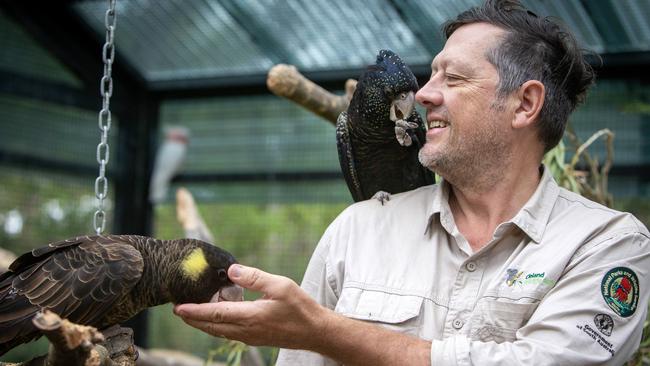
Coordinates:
248	277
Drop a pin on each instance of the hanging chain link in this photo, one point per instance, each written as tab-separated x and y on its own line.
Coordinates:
106	90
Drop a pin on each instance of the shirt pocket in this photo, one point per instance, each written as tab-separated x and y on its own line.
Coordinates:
395	311
498	321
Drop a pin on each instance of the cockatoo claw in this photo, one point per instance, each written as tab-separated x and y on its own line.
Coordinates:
381	196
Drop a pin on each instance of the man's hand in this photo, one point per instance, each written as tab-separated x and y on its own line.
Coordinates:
284	317
288	317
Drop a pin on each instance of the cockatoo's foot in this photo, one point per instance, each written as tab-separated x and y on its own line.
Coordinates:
401	127
381	196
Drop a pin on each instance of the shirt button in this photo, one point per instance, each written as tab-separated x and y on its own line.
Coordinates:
457	324
471	266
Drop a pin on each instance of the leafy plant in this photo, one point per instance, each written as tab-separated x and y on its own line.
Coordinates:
233	350
590	179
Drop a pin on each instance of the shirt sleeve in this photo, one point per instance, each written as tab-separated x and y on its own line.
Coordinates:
590	317
319	282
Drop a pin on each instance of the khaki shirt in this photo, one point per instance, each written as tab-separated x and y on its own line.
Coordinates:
564	282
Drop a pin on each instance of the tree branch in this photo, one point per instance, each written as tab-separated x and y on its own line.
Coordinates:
189	217
285	81
80	345
70	343
6	258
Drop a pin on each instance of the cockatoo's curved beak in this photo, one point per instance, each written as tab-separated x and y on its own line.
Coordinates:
229	293
401	108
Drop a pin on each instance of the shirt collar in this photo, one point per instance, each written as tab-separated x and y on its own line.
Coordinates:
439	206
532	219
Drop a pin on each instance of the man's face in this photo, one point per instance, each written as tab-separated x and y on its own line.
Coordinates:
467	123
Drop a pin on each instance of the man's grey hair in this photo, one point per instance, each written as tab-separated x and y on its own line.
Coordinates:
534	48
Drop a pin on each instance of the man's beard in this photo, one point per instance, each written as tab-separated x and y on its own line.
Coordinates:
476	162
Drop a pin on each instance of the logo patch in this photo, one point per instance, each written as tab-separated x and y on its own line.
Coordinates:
604	323
512	276
620	289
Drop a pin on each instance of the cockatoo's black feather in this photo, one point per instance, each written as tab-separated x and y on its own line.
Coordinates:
379	136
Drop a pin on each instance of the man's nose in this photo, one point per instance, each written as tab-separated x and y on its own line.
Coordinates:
429	95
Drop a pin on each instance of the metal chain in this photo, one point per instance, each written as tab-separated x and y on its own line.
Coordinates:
106	90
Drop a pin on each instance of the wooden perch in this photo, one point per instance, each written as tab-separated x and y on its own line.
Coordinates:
286	81
74	344
80	345
189	217
119	345
70	343
6	258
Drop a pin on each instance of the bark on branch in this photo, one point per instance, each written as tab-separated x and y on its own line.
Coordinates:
70	343
286	81
189	217
80	345
6	258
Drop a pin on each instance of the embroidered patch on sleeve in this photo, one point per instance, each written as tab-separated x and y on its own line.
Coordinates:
620	289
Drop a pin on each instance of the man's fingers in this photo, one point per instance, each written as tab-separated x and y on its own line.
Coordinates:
255	279
193	315
220	312
216	329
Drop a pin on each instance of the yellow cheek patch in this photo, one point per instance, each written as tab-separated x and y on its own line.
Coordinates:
194	264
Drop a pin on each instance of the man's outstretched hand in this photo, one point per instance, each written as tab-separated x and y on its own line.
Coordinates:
287	317
284	317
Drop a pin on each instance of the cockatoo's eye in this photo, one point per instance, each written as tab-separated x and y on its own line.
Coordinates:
402	96
222	274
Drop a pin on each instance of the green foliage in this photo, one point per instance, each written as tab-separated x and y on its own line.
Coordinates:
274	237
555	161
636	107
231	350
51	207
26	351
590	182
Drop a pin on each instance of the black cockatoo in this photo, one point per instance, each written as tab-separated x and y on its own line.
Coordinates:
105	280
381	133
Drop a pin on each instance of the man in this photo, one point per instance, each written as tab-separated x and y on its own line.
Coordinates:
496	265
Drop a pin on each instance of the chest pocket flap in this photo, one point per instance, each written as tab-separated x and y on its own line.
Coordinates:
380	305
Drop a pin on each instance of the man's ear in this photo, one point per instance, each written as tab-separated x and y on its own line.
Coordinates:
530	99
